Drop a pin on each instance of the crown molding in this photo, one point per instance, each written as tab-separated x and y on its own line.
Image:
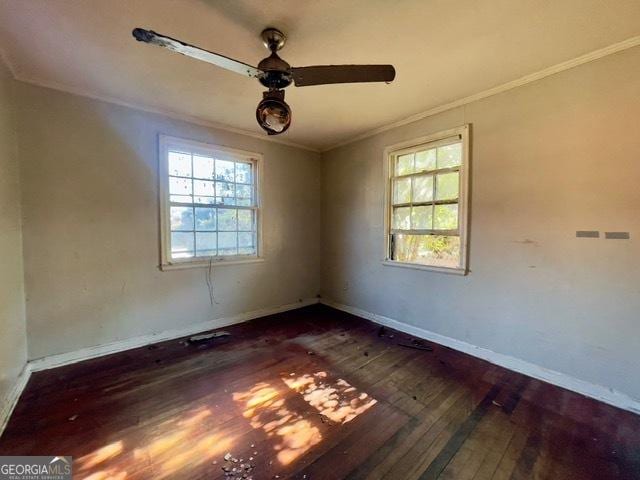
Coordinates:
159	111
533	77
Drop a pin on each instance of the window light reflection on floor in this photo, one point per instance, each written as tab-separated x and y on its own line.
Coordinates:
181	444
267	409
338	400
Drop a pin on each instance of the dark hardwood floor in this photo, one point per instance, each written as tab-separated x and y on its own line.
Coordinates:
315	394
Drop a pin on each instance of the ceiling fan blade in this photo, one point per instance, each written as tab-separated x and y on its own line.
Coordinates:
149	36
326	74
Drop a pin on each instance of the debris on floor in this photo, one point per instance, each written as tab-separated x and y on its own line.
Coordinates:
324	418
205	337
417	345
72	418
237	468
382	332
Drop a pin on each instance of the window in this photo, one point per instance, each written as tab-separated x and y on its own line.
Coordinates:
426	219
209	203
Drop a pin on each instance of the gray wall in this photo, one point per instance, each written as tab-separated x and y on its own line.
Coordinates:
90	202
550	158
558	155
13	345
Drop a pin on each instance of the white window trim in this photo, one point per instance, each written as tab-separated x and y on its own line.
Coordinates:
165	142
463	205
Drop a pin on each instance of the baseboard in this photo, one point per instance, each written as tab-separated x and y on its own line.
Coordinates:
597	392
61	359
14	395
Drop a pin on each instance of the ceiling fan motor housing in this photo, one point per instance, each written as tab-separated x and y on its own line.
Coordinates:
277	72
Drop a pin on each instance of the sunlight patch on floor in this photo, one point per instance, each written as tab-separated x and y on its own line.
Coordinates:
100	455
293	435
338	400
294	432
181	444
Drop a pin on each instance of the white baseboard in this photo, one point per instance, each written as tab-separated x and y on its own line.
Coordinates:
61	359
597	392
12	399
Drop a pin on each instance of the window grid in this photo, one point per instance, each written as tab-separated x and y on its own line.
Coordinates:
429	173
436	184
242	231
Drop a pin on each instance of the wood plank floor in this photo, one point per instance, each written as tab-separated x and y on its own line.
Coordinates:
315	394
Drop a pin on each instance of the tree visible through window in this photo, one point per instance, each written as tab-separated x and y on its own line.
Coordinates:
427	203
211	208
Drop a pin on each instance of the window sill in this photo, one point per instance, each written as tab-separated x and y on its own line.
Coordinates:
206	264
415	266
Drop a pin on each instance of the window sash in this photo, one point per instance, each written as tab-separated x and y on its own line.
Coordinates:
170	144
392	154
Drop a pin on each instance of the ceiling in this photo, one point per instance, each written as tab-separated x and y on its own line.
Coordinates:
443	50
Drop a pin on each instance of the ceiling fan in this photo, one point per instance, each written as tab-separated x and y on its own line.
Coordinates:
272	113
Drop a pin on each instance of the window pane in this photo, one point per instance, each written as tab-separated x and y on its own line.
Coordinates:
205	218
182	244
450	155
246	243
446	217
179	164
423	189
447	186
227	243
244	202
422	217
225	189
440	251
181	218
245	220
203	188
205	200
179	186
206	244
401	218
243	191
181	198
203	167
402	190
243	173
226	200
404	164
225	170
227	219
425	160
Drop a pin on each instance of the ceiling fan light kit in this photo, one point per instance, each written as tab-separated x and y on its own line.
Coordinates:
273	114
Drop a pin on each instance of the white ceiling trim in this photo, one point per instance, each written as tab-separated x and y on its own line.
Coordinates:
160	111
533	77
